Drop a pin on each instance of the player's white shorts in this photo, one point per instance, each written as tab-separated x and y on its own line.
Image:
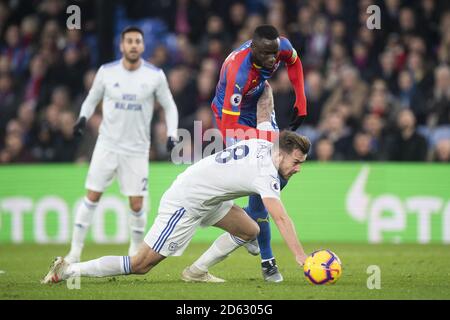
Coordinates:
172	230
131	172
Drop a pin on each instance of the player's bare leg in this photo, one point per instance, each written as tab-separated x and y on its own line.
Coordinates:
137	221
83	218
241	229
106	266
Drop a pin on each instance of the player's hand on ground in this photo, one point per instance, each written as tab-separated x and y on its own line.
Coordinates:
296	120
78	128
171	143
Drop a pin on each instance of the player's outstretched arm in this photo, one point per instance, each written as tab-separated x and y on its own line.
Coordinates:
165	98
286	227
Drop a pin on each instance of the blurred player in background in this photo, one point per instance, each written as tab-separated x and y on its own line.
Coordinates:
244	101
203	196
128	88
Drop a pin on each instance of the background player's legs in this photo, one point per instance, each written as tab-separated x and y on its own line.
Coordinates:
83	218
240	230
137	221
132	173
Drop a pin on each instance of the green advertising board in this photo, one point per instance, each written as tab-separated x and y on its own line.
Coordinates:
345	202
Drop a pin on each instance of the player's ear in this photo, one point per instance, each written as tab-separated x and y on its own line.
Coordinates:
121	46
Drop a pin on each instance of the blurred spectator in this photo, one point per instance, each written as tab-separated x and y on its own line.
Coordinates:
407	23
387	70
26	118
324	150
18	54
333	127
361	148
441	152
422	78
43	149
36	85
318	43
15	151
373	125
205	89
316	95
361	60
61	98
183	91
160	58
439	105
66	145
335	63
391	15
407	144
236	17
410	97
8	100
380	104
352	91
29	29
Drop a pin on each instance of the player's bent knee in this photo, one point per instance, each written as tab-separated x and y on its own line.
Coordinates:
136	207
251	233
93	196
136	204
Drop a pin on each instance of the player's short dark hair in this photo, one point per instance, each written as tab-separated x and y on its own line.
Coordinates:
290	141
265	31
131	29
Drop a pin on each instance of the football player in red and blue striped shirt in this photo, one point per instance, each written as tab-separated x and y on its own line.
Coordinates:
243	80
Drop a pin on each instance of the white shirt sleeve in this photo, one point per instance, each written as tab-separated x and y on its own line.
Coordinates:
165	98
267	186
94	96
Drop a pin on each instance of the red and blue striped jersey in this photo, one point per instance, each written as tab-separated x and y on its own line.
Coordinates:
242	82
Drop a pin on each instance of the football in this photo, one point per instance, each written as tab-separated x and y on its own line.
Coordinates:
322	267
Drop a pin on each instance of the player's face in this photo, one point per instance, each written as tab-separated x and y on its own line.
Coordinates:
265	52
290	164
132	46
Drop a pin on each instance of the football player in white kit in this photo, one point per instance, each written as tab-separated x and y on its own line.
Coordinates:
203	196
128	88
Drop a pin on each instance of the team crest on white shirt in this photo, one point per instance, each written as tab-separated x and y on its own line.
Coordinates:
275	185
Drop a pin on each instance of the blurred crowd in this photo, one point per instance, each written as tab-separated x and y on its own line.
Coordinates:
380	94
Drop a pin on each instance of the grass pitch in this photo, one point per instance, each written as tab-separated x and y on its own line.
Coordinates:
407	272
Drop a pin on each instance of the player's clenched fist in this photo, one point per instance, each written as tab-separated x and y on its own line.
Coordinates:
78	128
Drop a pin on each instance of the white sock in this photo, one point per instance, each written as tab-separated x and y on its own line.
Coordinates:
83	220
219	250
137	222
101	267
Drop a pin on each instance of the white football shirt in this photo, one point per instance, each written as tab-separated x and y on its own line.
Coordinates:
243	169
128	103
